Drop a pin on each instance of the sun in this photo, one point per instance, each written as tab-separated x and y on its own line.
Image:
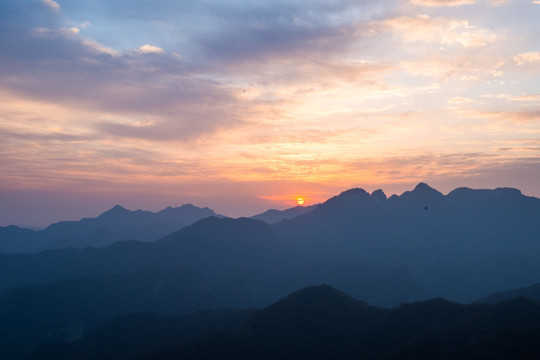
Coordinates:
300	201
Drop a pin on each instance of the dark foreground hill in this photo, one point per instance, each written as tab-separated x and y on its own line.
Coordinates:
70	309
113	225
320	323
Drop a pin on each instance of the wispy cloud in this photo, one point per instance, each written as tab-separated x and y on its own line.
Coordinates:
51	4
442	3
528	57
444	31
460	100
446	67
149	49
519	117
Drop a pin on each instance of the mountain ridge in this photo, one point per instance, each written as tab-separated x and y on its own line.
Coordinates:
357	227
273	216
115	224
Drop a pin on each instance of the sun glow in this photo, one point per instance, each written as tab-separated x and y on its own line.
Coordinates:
300	201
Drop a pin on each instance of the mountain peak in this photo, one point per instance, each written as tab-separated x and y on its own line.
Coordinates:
508	191
117	209
500	192
425	189
314	299
355	193
378	195
317	293
169	209
422	192
307	307
351	196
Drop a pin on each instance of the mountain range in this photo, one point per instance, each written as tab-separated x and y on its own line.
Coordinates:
113	225
119	224
382	250
460	246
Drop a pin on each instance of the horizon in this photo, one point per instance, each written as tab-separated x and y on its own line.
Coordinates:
293	204
243	107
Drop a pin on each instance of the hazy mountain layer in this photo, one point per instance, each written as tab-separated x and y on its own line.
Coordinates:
274	216
460	246
531	292
113	225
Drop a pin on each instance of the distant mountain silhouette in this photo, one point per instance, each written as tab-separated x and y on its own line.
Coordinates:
531	292
459	246
274	216
321	322
15	239
113	225
244	261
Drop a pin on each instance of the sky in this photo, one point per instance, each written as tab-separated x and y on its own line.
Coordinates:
245	105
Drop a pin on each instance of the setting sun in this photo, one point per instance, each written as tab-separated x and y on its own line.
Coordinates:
300	201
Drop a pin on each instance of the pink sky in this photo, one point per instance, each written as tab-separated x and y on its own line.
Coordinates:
241	106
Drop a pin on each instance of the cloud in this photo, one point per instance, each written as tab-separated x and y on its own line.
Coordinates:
70	31
449	66
51	4
459	101
516	117
285	30
452	3
529	57
162	98
439	30
97	48
149	49
526	98
441	3
152	97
